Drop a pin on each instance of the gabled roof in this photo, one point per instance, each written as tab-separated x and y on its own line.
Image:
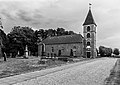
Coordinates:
66	39
89	19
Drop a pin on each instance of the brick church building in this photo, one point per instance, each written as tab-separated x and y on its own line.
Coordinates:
72	45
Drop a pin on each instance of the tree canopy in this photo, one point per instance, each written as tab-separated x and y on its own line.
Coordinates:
116	51
19	37
104	51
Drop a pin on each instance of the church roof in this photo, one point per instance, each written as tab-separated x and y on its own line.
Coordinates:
66	39
89	19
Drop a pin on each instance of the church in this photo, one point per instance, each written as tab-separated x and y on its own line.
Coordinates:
72	45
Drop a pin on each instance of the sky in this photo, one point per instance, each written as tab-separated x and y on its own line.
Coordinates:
69	14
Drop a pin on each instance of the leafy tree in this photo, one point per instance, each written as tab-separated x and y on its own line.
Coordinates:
19	37
104	51
116	51
3	43
52	32
60	31
71	33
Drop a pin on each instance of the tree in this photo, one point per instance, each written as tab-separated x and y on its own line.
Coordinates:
60	31
71	33
3	42
19	37
52	32
104	51
116	51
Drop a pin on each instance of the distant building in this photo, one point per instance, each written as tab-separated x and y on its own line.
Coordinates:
72	45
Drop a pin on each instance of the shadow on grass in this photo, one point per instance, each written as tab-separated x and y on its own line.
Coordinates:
114	77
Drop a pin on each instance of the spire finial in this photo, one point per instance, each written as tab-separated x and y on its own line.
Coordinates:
90	6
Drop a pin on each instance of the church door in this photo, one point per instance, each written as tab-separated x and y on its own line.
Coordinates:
88	54
59	53
71	52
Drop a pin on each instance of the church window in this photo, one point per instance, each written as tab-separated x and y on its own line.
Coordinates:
88	35
48	54
88	28
74	47
88	43
52	49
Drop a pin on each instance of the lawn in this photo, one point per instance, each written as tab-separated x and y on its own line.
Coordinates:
114	77
16	66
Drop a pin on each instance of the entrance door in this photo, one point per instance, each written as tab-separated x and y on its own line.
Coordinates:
59	53
88	54
43	50
71	52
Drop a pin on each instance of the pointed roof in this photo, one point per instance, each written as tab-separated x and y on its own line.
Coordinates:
89	19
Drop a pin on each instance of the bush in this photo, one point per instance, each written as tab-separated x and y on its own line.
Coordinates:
116	51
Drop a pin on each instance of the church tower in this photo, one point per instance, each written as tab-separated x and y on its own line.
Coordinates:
89	32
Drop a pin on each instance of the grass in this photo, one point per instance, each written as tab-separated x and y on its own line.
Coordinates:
15	66
114	77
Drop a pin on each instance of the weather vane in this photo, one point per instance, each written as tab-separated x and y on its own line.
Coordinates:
90	5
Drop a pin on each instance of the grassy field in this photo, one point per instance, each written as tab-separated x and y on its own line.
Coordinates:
16	66
114	77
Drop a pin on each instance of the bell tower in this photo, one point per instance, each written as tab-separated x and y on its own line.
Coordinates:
89	32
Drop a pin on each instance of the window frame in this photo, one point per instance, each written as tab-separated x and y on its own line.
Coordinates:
88	29
88	35
88	44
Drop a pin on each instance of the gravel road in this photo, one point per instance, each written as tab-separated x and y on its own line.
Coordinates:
89	73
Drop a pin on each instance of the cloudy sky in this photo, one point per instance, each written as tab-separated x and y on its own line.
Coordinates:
69	14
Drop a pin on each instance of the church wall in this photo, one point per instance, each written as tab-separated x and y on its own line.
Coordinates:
39	50
52	50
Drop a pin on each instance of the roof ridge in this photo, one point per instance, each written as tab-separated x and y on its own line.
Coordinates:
66	35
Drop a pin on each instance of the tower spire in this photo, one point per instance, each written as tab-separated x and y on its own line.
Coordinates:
89	19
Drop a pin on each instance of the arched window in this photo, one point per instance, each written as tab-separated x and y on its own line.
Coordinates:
52	49
88	35
88	43
88	28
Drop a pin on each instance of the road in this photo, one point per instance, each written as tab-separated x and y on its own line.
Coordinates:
92	73
88	73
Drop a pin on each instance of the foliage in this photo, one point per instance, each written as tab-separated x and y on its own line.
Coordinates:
116	51
19	37
104	51
52	32
3	43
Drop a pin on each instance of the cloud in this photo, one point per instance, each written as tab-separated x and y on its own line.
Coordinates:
111	41
6	14
69	14
25	16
